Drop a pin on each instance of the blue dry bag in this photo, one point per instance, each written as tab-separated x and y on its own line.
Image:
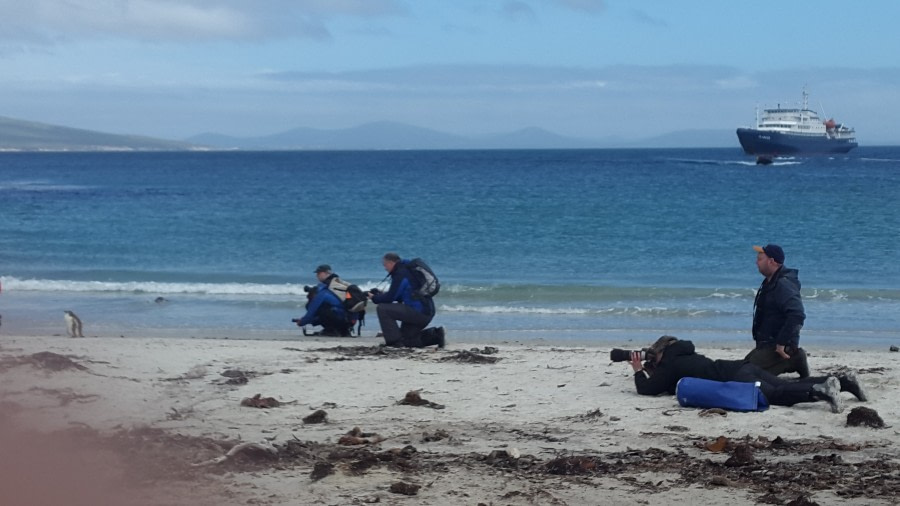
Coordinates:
730	395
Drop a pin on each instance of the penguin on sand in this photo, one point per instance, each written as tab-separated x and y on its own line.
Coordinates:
73	324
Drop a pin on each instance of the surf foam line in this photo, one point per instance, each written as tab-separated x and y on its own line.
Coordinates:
150	287
611	311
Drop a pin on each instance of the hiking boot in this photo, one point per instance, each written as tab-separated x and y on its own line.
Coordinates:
799	364
830	391
441	337
850	383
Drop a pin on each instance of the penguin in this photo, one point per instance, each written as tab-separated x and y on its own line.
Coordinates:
73	324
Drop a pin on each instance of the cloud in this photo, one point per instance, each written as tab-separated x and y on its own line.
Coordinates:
446	79
642	17
50	21
583	5
737	82
517	10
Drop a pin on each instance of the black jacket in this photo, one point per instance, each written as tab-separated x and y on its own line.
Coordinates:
680	361
778	312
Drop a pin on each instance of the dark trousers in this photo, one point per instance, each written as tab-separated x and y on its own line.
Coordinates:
765	356
409	332
332	324
779	392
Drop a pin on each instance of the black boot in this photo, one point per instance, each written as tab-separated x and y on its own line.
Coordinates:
434	336
799	364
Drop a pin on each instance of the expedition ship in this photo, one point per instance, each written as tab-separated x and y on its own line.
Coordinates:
792	131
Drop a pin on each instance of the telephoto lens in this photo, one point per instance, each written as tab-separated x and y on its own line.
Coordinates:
618	355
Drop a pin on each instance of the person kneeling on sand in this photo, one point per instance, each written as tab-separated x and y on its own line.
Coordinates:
400	304
670	359
778	316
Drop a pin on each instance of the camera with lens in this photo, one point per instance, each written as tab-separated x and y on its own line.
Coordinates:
307	288
618	355
374	291
295	320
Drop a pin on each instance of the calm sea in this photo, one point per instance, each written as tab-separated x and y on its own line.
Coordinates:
594	244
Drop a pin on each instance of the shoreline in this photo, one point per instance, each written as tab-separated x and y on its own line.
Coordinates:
845	340
499	432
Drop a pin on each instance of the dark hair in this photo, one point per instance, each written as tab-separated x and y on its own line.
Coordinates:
392	257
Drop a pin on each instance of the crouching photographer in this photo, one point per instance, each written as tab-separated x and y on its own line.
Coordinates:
324	308
658	368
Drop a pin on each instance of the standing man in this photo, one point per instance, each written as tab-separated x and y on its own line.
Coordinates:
778	316
400	304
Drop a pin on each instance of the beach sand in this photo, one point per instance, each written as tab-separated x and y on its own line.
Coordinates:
149	421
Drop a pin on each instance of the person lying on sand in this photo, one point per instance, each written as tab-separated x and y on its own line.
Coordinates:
658	369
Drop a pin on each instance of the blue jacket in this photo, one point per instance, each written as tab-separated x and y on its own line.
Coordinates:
778	312
403	284
325	297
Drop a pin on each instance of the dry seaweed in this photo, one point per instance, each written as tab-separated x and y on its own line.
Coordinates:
317	416
412	398
258	401
470	357
50	361
862	415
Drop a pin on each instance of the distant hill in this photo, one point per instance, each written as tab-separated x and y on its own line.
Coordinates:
392	135
378	135
383	135
23	135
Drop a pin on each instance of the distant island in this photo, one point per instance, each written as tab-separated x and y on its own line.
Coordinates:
21	135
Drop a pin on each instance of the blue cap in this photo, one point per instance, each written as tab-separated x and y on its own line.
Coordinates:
772	251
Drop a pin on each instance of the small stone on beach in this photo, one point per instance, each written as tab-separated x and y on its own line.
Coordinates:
404	488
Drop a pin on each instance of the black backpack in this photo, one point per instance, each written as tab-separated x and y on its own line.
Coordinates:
353	299
427	282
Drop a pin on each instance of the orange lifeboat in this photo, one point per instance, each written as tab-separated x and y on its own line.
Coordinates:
830	124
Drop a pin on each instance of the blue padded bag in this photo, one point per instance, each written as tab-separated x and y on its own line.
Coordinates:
730	395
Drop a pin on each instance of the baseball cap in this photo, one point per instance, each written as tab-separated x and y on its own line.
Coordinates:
323	268
772	251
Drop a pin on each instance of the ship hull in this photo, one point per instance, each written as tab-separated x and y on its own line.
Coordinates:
763	142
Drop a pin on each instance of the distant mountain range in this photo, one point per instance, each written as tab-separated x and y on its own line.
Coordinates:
390	135
22	135
30	136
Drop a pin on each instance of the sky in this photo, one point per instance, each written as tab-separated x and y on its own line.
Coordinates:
592	69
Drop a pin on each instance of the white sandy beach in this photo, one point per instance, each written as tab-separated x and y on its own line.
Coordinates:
131	425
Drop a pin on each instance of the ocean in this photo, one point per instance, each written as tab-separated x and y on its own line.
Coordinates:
568	245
